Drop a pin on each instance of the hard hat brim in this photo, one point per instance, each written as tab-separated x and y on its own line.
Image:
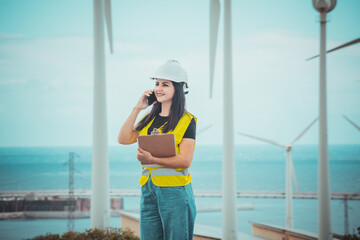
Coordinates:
185	83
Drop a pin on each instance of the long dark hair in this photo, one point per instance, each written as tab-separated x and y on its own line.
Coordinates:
177	110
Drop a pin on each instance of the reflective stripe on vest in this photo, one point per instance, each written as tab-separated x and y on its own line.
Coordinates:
164	172
162	176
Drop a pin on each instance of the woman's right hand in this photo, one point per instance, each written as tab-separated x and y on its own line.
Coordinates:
142	103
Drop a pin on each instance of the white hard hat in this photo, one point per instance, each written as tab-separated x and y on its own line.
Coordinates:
171	70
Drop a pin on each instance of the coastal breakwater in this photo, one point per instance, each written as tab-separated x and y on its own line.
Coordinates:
32	207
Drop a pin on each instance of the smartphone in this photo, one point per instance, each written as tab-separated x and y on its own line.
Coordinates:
151	98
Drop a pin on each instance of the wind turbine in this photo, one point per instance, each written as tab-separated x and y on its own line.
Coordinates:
358	128
203	129
200	131
324	214
338	47
229	213
289	171
100	199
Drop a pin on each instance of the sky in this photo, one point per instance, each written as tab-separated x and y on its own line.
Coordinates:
46	70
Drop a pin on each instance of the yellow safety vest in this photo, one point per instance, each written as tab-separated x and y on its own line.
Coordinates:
163	176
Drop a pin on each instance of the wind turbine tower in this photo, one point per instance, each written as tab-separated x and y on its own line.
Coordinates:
229	212
324	215
100	198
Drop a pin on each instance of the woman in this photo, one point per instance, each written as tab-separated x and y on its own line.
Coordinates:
167	209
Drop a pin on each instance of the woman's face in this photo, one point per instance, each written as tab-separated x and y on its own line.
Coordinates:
164	90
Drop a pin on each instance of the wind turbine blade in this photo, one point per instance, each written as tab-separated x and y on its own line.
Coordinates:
108	23
303	132
263	139
339	47
293	173
214	27
203	130
351	122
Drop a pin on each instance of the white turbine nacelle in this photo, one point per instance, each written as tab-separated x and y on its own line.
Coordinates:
324	5
288	147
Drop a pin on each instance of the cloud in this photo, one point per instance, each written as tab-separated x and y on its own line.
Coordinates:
273	51
45	58
71	111
10	36
55	84
13	82
274	88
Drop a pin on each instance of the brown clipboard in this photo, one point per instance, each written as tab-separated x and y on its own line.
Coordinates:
158	145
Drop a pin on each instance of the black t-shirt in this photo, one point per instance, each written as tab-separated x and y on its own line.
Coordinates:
159	121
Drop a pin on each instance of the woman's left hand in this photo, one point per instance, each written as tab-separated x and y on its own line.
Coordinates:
144	157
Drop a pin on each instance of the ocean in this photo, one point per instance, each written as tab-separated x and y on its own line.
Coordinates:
258	167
